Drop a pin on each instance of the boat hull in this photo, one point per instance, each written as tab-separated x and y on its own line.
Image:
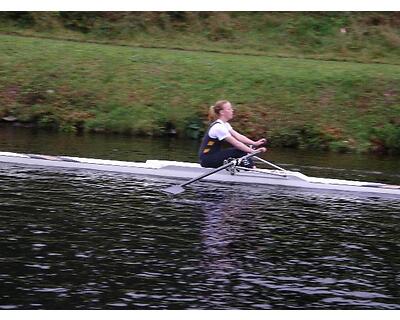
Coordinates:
186	171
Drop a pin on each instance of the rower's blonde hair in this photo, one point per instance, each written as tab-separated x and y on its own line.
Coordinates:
215	110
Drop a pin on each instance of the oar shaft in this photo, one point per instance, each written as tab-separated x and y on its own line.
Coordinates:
207	174
269	163
262	172
179	188
220	168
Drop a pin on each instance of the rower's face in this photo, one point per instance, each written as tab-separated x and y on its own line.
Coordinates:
227	111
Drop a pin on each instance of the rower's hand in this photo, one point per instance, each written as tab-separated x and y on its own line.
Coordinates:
262	149
260	142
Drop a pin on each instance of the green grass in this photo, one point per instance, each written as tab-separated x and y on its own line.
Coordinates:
295	102
369	36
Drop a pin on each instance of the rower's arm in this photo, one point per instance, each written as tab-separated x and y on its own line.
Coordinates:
238	144
241	137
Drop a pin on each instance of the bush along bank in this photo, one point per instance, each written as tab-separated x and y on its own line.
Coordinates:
296	103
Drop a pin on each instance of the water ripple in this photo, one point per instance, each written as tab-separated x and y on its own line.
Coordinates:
89	240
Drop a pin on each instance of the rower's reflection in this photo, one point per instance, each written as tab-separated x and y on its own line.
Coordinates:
222	237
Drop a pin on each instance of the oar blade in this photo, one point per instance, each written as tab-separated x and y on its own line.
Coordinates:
174	190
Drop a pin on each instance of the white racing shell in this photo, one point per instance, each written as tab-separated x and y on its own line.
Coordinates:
185	171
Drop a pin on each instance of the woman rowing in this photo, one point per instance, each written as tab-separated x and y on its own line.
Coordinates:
211	153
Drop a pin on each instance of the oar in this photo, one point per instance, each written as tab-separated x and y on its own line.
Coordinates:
271	164
180	188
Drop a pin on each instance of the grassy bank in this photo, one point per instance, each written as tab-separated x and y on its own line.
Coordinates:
295	102
343	36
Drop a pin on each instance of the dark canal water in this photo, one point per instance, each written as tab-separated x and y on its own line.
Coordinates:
75	239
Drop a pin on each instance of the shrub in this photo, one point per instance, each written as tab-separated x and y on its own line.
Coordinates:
385	139
303	137
340	146
123	120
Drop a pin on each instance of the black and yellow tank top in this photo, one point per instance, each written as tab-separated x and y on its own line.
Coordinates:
209	145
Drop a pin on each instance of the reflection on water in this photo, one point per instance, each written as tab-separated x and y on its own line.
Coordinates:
330	252
114	147
74	239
